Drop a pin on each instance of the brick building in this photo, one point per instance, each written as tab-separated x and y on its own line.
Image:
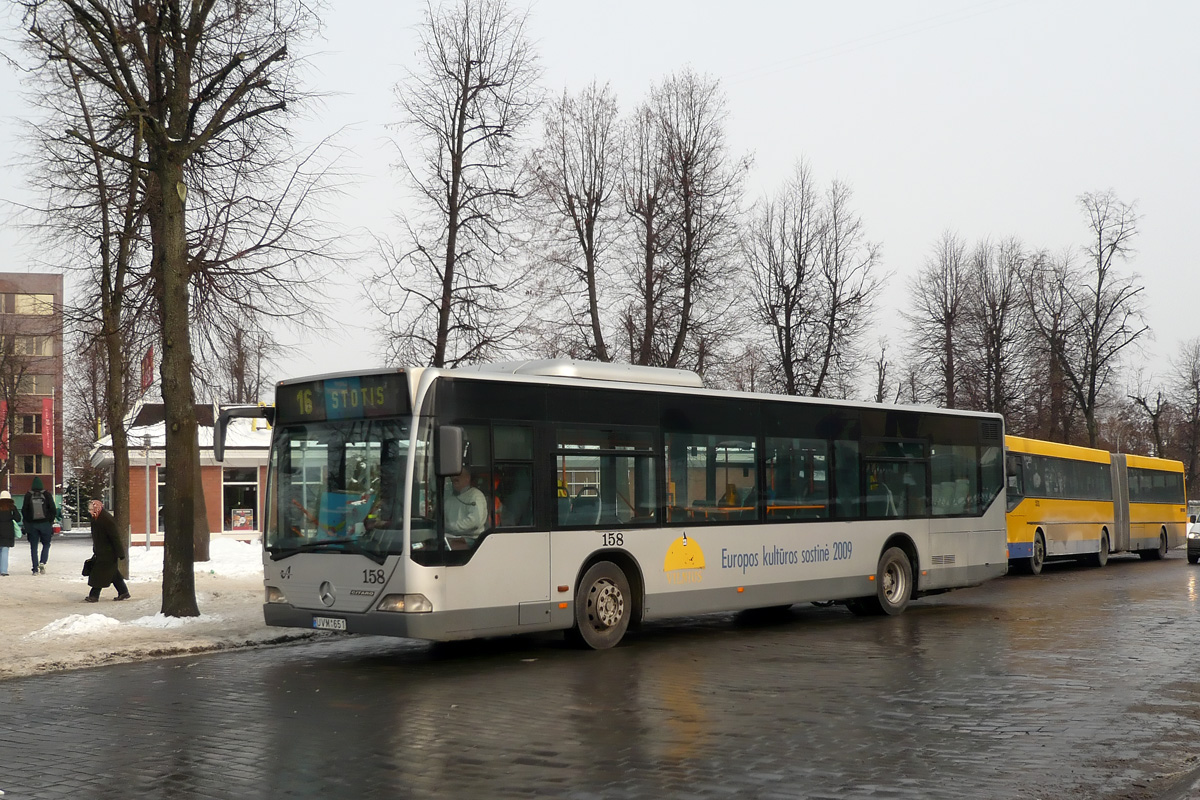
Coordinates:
233	489
31	379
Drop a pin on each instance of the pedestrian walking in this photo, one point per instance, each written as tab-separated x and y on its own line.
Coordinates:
107	550
10	527
39	514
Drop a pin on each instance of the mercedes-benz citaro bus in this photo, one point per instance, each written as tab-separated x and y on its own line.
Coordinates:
531	496
1070	502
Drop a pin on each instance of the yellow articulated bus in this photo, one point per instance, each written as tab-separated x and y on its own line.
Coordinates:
1077	502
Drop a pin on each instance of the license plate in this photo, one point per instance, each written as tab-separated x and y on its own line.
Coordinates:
329	624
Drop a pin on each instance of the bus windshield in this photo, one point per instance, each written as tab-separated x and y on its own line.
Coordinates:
337	486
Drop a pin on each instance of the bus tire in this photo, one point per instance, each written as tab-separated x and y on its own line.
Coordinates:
893	586
603	606
1158	553
1100	557
1033	564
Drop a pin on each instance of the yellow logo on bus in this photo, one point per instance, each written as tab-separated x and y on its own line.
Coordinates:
684	562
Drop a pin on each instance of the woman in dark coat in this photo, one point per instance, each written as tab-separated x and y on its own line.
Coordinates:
106	551
8	533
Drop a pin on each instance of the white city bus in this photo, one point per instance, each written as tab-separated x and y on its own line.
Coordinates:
561	495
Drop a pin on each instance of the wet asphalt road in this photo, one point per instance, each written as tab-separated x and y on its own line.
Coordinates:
1080	683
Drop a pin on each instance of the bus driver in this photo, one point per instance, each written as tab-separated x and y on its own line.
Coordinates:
465	507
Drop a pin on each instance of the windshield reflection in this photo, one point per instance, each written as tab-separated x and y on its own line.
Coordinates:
337	486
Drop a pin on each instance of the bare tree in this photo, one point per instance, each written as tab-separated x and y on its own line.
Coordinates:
704	187
93	219
1052	409
190	79
470	97
644	181
1154	404
85	384
575	172
849	285
1184	387
1104	312
781	246
882	366
241	366
995	339
939	303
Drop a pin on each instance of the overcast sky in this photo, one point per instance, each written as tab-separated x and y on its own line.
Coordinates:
986	118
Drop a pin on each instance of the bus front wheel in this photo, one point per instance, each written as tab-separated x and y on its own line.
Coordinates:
893	586
603	606
1035	562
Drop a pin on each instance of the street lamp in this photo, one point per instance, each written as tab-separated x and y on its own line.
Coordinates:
146	445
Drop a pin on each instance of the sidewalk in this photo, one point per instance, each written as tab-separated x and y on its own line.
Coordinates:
46	626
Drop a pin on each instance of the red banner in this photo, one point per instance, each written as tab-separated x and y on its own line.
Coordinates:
48	426
4	432
148	369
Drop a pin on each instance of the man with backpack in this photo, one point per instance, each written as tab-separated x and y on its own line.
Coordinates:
39	513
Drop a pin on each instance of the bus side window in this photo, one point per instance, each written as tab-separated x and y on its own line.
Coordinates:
514	495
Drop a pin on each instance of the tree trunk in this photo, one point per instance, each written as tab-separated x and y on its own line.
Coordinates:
182	450
115	418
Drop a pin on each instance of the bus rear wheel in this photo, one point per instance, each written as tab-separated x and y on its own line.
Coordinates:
893	586
1100	557
1160	552
603	606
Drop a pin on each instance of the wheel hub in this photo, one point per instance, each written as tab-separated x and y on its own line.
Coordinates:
608	606
891	583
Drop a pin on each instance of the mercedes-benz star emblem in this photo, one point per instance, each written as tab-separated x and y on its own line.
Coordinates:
325	592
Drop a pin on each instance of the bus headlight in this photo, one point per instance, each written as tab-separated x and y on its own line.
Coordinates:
275	596
406	604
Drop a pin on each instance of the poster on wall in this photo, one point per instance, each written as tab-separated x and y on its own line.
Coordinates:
243	519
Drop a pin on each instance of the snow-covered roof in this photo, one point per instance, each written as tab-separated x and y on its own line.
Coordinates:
245	439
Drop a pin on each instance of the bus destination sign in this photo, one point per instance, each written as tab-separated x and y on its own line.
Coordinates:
380	395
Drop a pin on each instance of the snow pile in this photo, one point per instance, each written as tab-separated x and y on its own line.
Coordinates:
46	625
160	620
227	559
75	624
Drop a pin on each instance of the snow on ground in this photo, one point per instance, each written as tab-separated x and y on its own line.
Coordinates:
45	625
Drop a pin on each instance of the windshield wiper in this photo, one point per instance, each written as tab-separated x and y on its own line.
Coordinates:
347	545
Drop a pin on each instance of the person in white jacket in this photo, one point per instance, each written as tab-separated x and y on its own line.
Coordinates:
465	511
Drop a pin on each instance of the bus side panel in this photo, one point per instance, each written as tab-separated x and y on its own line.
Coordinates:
702	569
507	571
1071	527
1147	520
960	557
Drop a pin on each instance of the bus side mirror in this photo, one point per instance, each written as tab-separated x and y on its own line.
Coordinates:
449	450
222	416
